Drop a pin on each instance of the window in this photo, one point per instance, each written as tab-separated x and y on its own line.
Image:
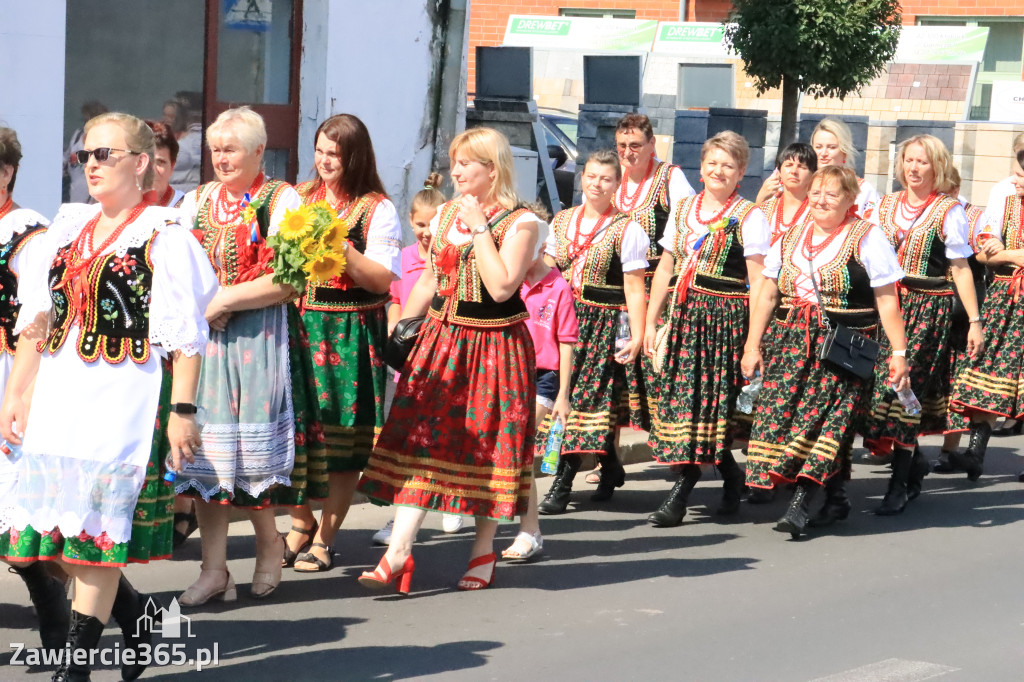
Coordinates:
705	85
597	13
1003	60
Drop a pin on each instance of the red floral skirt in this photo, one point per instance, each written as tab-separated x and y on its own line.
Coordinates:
459	437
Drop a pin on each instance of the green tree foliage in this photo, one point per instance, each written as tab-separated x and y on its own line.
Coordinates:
824	48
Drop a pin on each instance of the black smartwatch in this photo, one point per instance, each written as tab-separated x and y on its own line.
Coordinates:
183	408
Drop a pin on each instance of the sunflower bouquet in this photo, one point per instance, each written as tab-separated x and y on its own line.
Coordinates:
309	246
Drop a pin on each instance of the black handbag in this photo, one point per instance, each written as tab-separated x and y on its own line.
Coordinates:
843	347
400	344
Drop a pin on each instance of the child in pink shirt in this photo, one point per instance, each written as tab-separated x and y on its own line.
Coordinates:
553	326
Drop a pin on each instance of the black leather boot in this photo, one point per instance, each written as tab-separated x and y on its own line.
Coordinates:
557	498
919	468
946	463
612	476
83	636
49	598
128	610
837	504
732	485
973	460
761	495
673	509
794	521
896	497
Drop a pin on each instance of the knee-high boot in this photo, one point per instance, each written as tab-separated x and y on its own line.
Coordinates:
896	496
673	509
837	503
732	485
973	460
557	499
49	598
919	468
83	637
612	476
794	521
128	610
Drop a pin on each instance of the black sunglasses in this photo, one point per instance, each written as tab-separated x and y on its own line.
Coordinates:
101	154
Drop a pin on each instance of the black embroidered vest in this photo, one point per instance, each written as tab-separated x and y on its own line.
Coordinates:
9	305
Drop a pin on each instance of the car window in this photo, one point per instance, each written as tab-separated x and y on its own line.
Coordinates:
552	139
568	127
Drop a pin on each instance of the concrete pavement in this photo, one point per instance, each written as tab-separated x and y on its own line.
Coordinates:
932	594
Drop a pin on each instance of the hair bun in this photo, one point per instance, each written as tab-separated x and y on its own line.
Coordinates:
433	181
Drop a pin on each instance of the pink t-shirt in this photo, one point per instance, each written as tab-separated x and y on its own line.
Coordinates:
412	267
552	317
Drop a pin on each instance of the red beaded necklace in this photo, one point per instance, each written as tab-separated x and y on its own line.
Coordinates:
628	202
780	224
76	261
718	216
488	214
226	211
580	245
912	213
7	206
321	195
810	250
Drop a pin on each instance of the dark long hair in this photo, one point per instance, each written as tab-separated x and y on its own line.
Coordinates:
358	162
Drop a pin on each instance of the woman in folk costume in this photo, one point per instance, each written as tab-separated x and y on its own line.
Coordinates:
710	269
123	285
459	437
602	252
929	231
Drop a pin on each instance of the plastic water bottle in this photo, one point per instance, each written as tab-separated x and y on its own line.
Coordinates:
12	451
748	395
623	333
170	473
553	448
911	405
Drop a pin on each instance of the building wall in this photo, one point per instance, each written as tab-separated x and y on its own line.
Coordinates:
33	99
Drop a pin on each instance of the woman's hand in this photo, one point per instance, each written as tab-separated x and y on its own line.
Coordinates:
470	212
975	340
219	306
14	412
650	336
183	434
990	247
220	323
629	352
751	363
560	410
772	186
899	373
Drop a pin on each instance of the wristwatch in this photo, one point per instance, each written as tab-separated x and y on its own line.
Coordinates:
480	229
184	408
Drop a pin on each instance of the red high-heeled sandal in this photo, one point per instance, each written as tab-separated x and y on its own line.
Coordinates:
471	582
382	576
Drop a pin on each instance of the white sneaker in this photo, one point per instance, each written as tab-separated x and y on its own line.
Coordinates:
451	523
383	536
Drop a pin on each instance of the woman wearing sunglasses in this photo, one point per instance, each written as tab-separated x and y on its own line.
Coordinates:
123	284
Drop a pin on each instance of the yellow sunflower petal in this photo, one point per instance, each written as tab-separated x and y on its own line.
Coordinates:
326	267
296	223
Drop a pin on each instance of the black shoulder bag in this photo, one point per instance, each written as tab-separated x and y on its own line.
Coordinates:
401	341
842	346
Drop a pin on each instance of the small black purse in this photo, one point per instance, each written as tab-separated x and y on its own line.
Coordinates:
400	344
844	347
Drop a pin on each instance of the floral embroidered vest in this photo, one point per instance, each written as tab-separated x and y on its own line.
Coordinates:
462	297
720	266
921	251
115	322
341	294
9	305
772	204
1011	234
843	282
601	269
652	213
233	254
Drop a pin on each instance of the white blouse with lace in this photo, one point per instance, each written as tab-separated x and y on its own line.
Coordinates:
88	440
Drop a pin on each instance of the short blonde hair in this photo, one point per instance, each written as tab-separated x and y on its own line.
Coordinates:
733	144
954	182
849	185
488	146
138	138
242	124
938	156
842	133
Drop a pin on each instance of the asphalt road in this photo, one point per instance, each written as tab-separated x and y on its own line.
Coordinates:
935	593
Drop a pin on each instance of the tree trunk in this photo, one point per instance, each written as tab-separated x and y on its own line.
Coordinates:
790	100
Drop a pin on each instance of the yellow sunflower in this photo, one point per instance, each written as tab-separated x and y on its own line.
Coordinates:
334	237
296	223
327	266
309	247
